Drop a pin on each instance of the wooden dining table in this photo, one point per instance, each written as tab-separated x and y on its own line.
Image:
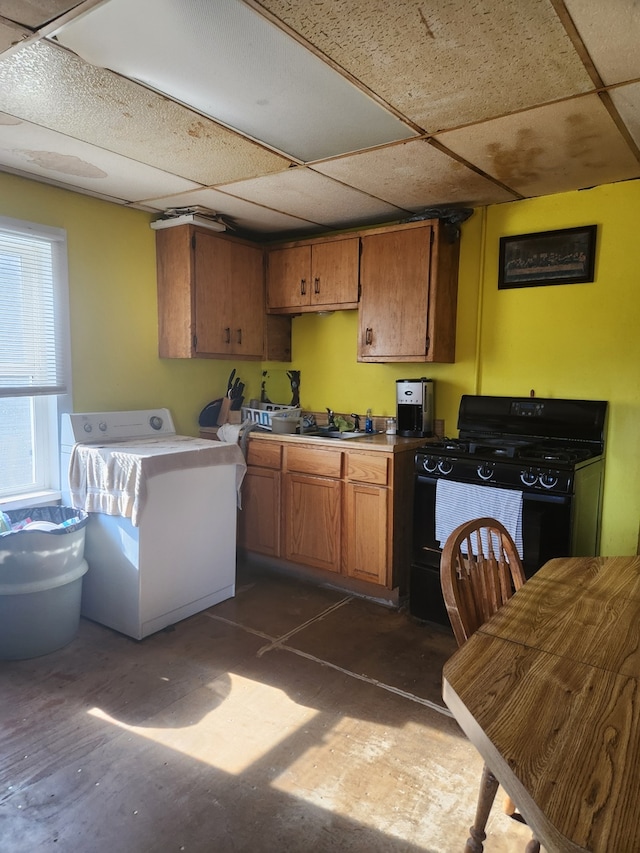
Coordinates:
548	692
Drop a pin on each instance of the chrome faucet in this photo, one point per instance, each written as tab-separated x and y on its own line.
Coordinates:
330	419
356	422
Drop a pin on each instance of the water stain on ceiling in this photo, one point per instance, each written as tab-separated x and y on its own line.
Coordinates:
65	164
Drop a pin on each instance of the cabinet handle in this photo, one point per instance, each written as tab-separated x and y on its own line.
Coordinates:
239	336
316	284
227	335
303	287
368	336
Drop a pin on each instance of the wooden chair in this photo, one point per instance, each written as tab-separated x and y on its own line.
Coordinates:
480	570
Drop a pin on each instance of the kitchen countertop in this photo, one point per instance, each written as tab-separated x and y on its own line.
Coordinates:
377	441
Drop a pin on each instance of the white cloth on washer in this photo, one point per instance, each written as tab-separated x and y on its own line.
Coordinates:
111	478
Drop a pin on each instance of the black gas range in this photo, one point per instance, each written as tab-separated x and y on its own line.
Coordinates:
527	443
546	455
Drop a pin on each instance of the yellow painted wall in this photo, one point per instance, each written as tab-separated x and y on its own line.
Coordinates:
580	340
563	341
112	292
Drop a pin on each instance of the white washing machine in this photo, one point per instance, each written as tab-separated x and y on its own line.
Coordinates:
161	537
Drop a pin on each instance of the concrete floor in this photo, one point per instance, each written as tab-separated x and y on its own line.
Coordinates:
290	719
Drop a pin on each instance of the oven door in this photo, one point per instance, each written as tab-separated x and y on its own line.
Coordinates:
546	533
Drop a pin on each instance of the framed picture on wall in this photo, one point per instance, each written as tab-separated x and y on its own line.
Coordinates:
566	256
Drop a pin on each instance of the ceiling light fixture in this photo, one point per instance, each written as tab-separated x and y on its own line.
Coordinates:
186	216
232	64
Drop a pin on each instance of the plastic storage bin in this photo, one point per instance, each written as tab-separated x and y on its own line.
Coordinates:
286	422
41	573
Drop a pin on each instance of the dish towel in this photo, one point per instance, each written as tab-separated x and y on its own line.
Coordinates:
460	502
112	478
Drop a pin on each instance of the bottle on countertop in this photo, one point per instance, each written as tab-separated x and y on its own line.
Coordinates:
368	424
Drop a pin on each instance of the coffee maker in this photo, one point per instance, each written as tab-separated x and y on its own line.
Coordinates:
415	414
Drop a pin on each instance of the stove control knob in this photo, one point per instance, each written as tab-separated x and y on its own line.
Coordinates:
529	477
485	471
430	464
102	426
445	466
87	428
548	479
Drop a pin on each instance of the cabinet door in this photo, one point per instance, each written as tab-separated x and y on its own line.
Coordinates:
366	533
176	322
245	272
288	277
334	272
229	298
394	302
312	525
259	518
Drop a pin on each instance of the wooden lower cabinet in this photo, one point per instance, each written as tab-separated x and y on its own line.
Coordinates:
259	519
368	527
339	509
366	532
312	521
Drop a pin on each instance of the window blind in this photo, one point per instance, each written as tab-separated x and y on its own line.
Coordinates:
33	324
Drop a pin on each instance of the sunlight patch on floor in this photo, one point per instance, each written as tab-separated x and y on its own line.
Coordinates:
243	726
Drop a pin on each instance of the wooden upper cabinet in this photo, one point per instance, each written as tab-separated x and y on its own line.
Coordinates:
409	283
403	279
334	273
211	298
229	297
313	277
288	275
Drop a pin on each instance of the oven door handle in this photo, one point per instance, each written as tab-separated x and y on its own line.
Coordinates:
539	497
423	478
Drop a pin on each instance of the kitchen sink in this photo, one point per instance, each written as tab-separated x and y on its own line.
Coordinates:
334	433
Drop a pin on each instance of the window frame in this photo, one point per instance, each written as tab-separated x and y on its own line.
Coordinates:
46	408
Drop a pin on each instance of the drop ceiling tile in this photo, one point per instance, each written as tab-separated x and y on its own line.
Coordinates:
34	13
247	216
305	194
414	175
551	149
448	63
10	35
47	85
626	100
610	32
43	153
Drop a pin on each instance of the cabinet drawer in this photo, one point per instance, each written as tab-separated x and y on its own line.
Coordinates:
367	468
264	454
308	460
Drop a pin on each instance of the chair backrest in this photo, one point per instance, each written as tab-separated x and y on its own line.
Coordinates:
480	569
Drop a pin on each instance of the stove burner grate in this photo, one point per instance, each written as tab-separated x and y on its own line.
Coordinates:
555	454
509	450
504	447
